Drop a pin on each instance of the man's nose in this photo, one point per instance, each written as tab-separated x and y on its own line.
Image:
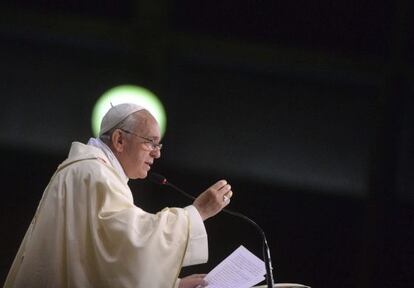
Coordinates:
156	153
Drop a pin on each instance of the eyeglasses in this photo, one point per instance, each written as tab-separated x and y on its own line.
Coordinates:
150	143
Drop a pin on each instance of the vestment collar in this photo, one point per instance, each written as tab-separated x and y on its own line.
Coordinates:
96	142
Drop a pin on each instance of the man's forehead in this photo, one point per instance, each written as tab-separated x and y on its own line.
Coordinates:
148	125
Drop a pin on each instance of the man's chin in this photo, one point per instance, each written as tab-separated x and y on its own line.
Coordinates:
141	175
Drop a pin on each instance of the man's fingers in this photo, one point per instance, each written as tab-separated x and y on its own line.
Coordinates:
224	193
226	198
218	185
192	281
214	199
225	189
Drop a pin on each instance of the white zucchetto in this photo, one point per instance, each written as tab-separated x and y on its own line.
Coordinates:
116	114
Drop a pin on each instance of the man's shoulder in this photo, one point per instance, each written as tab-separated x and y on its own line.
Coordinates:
80	151
83	156
88	160
91	165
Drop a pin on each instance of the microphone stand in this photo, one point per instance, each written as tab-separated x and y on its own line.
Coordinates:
266	251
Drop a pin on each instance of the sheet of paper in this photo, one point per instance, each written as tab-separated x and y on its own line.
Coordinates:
241	269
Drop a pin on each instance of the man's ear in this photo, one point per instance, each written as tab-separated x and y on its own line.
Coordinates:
118	140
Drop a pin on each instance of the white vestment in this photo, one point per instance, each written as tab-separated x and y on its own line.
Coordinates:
87	232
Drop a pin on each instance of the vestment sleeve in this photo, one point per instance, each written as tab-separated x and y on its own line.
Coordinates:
147	248
197	248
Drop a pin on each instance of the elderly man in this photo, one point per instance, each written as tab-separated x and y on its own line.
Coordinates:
87	232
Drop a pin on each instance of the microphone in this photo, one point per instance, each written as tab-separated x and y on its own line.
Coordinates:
161	180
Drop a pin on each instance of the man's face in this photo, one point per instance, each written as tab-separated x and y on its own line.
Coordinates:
138	155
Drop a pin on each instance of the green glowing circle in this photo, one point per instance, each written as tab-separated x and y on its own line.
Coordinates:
128	94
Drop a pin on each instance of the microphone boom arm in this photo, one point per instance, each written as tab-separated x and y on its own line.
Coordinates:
159	179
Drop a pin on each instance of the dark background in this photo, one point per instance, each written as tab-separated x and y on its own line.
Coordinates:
304	106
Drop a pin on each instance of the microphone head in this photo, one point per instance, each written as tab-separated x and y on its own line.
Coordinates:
157	178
